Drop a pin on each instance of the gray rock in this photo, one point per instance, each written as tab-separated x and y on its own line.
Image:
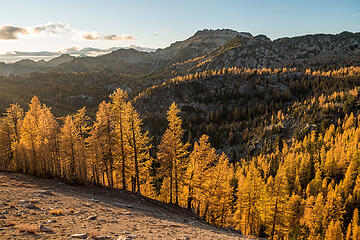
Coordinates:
46	192
79	235
94	217
42	228
30	205
94	200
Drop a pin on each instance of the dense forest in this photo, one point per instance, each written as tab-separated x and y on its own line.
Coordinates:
304	185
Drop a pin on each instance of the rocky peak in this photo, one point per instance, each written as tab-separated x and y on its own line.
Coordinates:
263	38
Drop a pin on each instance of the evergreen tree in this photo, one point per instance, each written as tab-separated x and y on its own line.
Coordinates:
172	152
119	114
139	145
334	231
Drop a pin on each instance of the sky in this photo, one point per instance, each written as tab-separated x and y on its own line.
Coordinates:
69	25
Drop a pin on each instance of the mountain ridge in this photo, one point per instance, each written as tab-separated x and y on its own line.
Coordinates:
209	49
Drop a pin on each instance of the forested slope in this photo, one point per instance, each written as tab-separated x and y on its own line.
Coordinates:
301	183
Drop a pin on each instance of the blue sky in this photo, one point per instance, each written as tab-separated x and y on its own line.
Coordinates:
157	23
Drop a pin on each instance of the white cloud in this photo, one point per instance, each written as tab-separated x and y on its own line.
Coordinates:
114	37
51	28
156	33
8	32
356	15
11	32
91	36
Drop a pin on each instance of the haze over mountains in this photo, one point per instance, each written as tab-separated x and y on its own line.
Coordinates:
13	62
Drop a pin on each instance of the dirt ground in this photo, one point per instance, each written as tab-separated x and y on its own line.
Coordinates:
37	208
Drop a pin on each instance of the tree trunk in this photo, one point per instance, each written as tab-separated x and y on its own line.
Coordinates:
171	180
137	174
122	155
176	184
274	220
110	156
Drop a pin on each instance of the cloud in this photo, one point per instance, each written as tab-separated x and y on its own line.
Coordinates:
29	54
91	36
51	27
11	32
356	15
8	32
156	33
114	37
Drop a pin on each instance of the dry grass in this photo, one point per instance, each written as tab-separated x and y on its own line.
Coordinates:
30	229
71	210
57	212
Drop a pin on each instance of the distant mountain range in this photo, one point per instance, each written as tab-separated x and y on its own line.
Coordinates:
26	66
206	49
27	62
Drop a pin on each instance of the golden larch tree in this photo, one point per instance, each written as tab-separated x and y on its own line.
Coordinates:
172	152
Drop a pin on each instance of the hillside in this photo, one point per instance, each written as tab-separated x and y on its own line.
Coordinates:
63	210
228	105
131	61
314	51
216	49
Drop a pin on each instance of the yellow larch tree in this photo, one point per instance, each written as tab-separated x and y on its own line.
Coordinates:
334	231
119	117
277	197
172	154
38	135
72	140
250	201
13	118
103	134
201	160
216	193
6	153
139	145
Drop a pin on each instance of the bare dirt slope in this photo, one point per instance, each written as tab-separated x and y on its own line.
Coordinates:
36	208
